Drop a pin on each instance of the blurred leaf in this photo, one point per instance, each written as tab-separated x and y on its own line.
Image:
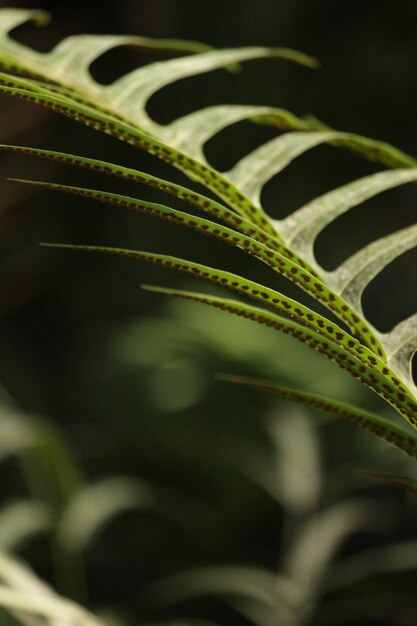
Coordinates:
22	591
20	520
314	546
95	506
391	433
277	594
16	433
180	622
177	384
403	483
393	558
298	472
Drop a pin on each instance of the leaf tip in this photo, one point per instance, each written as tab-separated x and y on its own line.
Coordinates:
403	483
298	57
47	244
40	17
150	288
228	378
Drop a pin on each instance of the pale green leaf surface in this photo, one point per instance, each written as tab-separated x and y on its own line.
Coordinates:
130	93
191	132
301	228
402	346
26	57
12	18
354	275
352	278
97	119
68	64
252	172
372	149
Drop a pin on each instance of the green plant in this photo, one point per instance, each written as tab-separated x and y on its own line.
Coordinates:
60	81
61	505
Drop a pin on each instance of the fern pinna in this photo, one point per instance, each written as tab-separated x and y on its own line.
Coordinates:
60	80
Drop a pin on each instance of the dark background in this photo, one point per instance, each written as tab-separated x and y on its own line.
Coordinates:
128	377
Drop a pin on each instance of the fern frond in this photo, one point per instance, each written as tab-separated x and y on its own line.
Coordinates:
382	428
403	483
60	80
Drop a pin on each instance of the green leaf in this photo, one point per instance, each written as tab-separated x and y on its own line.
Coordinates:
20	520
256	291
262	587
192	197
60	80
68	66
362	363
355	274
403	483
22	591
390	558
355	358
372	149
94	506
16	433
81	50
278	262
401	343
301	228
251	173
383	428
113	126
